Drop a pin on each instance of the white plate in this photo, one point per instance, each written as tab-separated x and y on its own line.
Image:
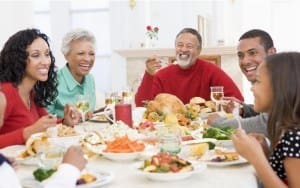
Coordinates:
197	141
103	178
208	156
170	176
62	141
15	150
224	143
241	160
99	117
122	156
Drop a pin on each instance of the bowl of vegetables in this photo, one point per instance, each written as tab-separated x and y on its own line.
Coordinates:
221	134
168	167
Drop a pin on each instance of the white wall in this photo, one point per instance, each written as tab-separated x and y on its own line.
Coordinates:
226	20
14	15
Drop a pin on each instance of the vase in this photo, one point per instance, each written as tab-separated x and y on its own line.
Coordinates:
151	43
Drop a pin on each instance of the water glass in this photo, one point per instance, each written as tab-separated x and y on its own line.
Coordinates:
169	139
51	158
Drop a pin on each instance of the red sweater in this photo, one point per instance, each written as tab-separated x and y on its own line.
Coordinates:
186	83
17	116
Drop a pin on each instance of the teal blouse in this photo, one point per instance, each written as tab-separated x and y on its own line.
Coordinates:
69	88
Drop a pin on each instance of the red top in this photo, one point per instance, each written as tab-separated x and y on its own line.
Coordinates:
17	116
186	83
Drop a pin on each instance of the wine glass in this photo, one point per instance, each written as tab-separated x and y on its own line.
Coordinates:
216	95
108	98
82	105
127	94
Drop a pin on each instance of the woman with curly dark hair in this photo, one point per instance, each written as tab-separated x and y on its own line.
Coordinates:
28	82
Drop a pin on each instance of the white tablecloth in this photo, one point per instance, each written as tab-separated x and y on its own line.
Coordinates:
126	177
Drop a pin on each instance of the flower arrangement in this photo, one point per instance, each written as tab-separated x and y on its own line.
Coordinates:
152	32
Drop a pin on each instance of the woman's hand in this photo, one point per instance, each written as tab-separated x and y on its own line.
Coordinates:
247	146
75	156
40	125
71	115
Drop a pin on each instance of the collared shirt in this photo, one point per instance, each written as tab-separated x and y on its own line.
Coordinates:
69	88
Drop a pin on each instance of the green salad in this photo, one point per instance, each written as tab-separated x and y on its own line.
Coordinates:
219	133
41	174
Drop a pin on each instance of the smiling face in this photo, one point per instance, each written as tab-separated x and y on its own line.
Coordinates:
38	60
262	90
251	53
81	58
187	49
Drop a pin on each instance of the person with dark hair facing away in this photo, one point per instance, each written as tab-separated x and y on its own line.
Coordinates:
66	175
189	77
28	83
276	92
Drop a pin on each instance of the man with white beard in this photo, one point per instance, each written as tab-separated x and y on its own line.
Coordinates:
187	78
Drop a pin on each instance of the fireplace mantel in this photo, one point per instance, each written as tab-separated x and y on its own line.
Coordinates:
166	52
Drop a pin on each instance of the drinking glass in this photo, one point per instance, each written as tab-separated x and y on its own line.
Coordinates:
51	158
82	105
127	95
169	139
216	95
108	99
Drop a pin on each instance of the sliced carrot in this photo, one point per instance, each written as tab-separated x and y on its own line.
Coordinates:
124	145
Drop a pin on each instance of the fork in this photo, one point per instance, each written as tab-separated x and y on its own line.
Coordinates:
236	114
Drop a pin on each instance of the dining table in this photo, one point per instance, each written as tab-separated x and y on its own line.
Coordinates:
126	175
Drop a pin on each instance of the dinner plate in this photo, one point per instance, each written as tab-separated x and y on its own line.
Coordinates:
197	168
241	160
103	178
208	156
100	117
224	143
15	150
61	141
197	141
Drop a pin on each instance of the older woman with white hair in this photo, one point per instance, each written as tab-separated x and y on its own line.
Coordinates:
74	79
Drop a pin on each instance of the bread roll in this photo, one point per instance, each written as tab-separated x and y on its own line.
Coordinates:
197	100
